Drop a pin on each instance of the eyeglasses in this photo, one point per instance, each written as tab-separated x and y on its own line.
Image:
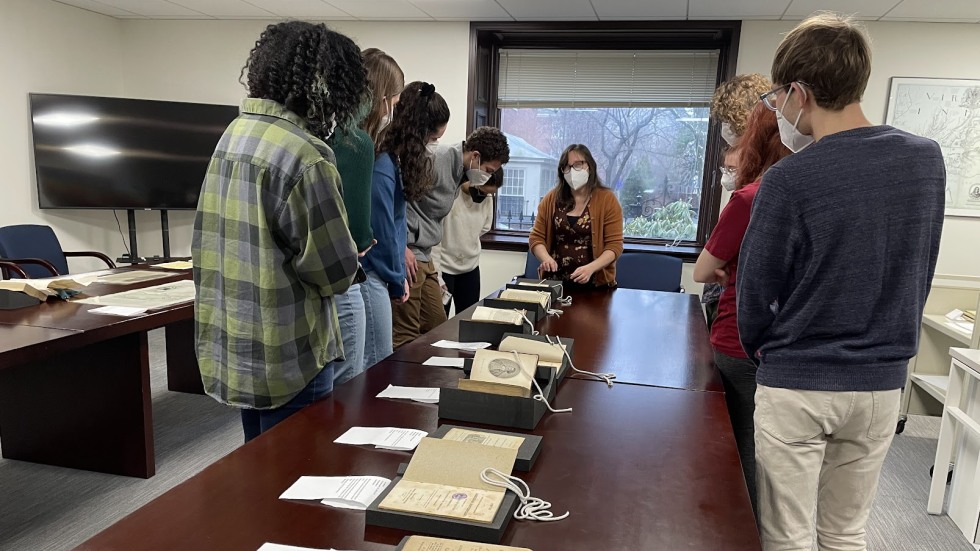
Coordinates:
769	98
577	165
727	171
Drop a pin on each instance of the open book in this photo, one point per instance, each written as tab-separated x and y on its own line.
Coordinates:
549	355
443	480
43	288
501	373
519	295
499	315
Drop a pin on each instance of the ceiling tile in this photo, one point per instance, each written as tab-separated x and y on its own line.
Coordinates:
640	9
223	8
154	8
466	10
549	10
300	8
861	9
747	9
931	10
379	9
98	7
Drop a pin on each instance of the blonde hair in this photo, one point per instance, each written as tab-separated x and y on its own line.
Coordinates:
830	54
385	79
735	98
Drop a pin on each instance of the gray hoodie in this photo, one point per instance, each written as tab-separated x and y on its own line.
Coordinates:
424	217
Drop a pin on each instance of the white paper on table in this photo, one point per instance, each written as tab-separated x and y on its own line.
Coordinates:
461	345
439	361
389	438
278	547
426	395
118	311
176	265
346	492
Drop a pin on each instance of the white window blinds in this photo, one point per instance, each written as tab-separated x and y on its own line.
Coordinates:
606	78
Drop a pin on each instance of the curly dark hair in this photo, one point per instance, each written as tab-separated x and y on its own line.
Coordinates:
490	142
313	71
419	115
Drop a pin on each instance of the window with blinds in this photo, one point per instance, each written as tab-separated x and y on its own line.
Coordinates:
606	78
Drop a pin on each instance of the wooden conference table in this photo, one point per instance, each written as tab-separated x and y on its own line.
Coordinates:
75	386
639	466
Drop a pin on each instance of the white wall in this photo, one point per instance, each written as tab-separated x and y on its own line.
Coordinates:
54	48
939	50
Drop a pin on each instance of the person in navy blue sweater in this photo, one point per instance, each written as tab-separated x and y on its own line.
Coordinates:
402	169
833	275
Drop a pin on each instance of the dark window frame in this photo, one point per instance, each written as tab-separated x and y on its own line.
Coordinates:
487	38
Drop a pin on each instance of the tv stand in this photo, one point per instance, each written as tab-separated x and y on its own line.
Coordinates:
133	256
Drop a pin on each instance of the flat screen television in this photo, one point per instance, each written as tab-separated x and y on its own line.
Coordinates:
117	153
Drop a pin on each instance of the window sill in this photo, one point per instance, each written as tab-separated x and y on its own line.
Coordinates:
495	241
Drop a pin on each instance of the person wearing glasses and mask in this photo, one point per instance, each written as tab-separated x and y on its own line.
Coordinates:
578	232
457	257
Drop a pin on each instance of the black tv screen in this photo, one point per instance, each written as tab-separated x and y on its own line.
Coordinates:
116	153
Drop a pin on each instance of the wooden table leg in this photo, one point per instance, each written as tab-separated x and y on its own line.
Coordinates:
183	374
87	409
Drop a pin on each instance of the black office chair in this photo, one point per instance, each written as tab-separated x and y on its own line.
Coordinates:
37	251
649	272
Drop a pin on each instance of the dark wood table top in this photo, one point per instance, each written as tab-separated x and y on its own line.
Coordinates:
22	343
644	337
638	467
82	328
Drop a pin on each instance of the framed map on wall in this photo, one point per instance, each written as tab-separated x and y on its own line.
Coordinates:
947	111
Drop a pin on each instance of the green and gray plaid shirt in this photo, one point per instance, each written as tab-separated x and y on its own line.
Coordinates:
271	247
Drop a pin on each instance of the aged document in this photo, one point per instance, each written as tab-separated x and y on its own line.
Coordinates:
485	438
503	373
425	543
444	501
135	276
499	315
549	355
536	297
148	298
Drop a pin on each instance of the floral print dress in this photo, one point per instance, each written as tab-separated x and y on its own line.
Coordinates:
573	242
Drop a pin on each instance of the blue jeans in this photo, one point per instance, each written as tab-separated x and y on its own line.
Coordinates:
350	313
377	327
257	421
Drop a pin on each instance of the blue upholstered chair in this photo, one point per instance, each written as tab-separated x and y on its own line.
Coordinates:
531	264
38	252
650	272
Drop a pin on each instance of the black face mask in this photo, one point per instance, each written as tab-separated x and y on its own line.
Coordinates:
476	195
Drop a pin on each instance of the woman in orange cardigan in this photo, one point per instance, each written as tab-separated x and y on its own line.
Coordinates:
578	233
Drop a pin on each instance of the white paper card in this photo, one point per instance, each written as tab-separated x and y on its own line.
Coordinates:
118	311
426	395
346	492
388	438
954	315
461	345
439	361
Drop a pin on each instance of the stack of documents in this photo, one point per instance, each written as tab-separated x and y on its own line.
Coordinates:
386	438
471	346
425	395
345	492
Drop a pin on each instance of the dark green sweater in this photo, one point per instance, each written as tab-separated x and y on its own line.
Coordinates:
355	163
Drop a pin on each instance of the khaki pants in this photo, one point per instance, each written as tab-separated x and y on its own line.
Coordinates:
819	451
424	310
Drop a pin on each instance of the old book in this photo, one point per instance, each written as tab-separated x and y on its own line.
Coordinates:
502	373
424	543
520	295
970	315
443	480
40	293
499	315
43	288
549	355
485	438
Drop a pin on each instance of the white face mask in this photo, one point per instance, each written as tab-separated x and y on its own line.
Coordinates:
728	181
792	138
577	178
477	176
728	134
386	120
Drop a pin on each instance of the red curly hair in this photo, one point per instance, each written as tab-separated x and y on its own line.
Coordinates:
759	147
